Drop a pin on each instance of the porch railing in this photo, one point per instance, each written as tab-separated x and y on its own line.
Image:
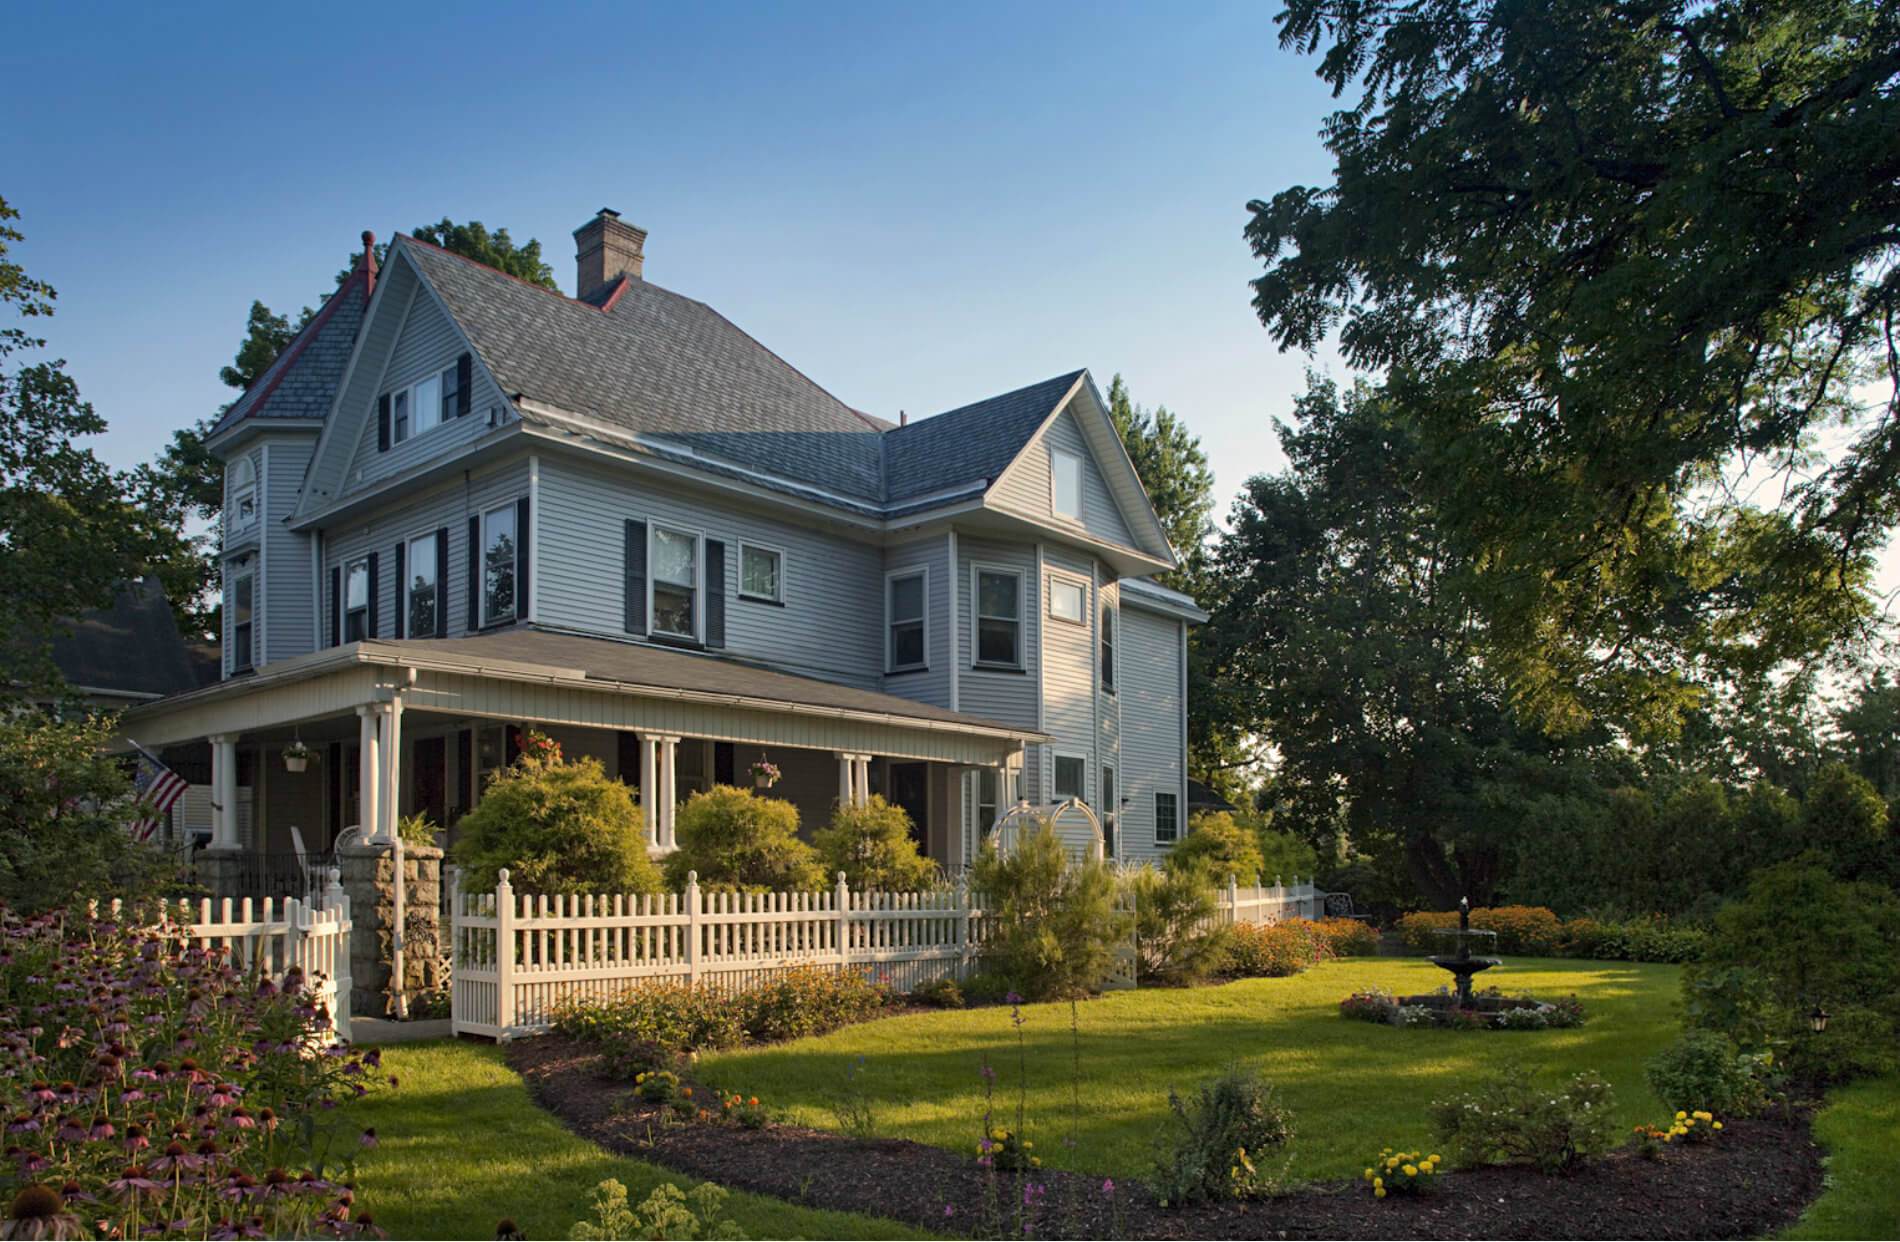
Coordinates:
277	875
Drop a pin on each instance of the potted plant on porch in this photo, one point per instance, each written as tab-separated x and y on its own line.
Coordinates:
296	756
765	774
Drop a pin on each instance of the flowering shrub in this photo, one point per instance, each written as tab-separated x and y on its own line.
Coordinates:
1650	1141
1699	1126
807	1000
153	1090
1221	1135
1275	950
1522	1018
1530	930
1349	937
1402	1173
658	1086
1511	1120
674	1016
744	1111
1370	1005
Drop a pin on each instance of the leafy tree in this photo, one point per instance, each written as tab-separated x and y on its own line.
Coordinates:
1217	844
1173	468
558	827
70	532
873	846
1869	726
496	249
736	840
1623	265
1845	819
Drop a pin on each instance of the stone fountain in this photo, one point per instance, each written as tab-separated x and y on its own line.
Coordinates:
1460	962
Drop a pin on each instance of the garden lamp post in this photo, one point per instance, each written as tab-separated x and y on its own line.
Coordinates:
1817	1021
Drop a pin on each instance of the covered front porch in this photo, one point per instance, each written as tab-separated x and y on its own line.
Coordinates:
395	729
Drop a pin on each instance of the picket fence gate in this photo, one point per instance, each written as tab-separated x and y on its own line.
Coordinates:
269	935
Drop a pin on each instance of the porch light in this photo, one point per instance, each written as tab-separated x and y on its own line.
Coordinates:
1817	1021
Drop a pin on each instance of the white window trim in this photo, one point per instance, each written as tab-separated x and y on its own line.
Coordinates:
410	390
1159	794
775	550
481	583
977	663
408	572
1055	763
1081	621
369	596
1062	454
699	582
890	578
236	492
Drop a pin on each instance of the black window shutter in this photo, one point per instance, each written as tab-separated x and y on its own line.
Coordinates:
442	582
402	595
464	381
382	423
636	556
336	606
629	747
474	574
716	593
521	559
375	585
725	761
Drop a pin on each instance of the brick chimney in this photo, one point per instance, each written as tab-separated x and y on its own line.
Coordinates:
605	250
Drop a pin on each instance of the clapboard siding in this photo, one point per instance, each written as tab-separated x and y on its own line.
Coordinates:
427	343
829	625
289	608
1108	705
449	505
1068	682
1008	697
931	685
1024	487
1151	742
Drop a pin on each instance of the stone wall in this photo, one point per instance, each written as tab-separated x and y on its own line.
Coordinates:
369	875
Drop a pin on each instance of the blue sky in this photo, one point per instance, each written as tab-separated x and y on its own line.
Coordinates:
916	206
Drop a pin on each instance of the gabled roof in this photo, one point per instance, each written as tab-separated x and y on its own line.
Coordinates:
972	443
655	363
303	381
131	648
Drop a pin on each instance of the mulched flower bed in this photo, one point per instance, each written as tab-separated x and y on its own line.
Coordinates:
1755	1181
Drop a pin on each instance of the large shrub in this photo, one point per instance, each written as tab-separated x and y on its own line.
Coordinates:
1510	1119
673	1016
1348	937
1704	1069
1177	937
1219	1140
735	839
558	827
1845	818
643	1025
1276	950
1529	930
64	804
1052	928
807	1000
1802	938
873	846
1631	940
1218	844
152	1088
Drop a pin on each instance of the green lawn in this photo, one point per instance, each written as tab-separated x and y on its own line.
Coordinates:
461	1145
1859	1127
1353	1087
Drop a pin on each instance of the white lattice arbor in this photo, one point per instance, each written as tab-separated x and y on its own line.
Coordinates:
1071	814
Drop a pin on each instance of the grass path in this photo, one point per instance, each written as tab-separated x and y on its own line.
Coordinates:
462	1145
1860	1127
1353	1087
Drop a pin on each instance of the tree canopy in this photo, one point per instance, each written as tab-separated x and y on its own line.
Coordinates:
1624	264
1172	466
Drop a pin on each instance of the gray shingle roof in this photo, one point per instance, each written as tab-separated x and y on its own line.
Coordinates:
974	442
303	380
133	647
659	364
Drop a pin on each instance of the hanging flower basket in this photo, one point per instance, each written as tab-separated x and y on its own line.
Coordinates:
764	775
297	757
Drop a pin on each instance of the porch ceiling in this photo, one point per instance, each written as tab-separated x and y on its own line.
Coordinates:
540	677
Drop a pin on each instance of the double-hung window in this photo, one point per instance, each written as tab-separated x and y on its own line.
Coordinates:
243	591
241	489
1071	773
1068	600
1065	484
988	790
427	403
999	619
498	565
1108	649
904	621
675	583
1167	818
356	589
1110	810
419	593
761	573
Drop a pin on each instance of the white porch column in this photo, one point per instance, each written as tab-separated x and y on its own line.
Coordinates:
650	788
224	825
669	791
389	797
863	781
369	770
847	778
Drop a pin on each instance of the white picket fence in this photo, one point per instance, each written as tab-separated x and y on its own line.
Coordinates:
1269	903
271	936
518	956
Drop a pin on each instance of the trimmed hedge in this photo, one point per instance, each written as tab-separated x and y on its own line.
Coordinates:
1534	931
678	1018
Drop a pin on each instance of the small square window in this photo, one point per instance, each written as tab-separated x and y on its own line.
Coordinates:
759	574
1065	484
1067	600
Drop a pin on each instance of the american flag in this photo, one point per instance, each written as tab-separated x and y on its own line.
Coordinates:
158	788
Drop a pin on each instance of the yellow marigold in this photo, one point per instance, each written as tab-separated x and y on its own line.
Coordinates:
1411	1170
1718	1125
1379	1194
1680	1115
1378	1183
1434	1157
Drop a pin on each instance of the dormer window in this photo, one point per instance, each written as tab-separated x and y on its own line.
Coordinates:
1065	484
241	495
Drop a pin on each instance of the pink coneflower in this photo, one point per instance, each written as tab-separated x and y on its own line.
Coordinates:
101	1128
132	1180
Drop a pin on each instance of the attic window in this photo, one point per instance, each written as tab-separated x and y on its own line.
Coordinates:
1065	484
241	490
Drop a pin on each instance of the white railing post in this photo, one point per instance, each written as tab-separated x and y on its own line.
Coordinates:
692	928
842	893
504	954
